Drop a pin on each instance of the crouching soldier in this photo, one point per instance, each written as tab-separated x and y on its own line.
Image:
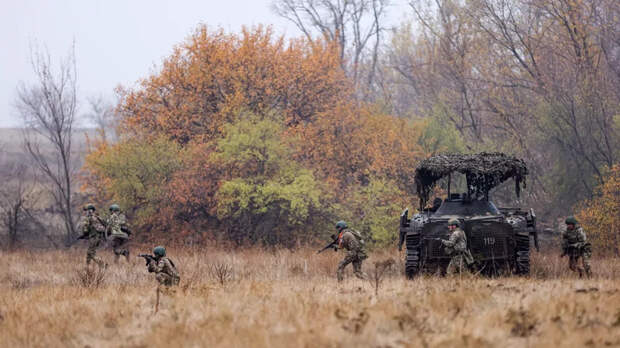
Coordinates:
574	245
457	247
93	229
165	271
353	243
118	231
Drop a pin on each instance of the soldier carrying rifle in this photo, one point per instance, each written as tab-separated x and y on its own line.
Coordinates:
165	271
93	228
456	246
574	245
353	243
118	231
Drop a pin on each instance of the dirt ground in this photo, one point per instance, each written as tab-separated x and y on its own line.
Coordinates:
257	298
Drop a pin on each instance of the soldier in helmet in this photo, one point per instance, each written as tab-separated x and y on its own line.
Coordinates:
574	245
165	271
457	247
93	229
353	243
118	231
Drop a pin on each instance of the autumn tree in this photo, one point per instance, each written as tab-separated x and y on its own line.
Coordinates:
600	216
265	196
257	140
134	173
213	76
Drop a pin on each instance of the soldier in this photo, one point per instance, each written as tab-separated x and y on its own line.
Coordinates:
457	247
118	231
574	245
353	242
93	229
165	271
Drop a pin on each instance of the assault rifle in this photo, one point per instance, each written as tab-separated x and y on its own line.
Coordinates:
147	258
333	244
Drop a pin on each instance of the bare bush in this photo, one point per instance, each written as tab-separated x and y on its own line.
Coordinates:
17	199
221	272
89	277
379	272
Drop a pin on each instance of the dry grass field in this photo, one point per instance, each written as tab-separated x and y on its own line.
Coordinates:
291	299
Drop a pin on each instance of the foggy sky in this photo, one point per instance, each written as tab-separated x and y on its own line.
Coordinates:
117	42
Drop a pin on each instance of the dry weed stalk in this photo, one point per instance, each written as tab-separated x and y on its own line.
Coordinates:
221	272
379	273
89	277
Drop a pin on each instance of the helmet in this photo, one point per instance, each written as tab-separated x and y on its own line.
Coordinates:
89	206
115	207
159	251
341	225
453	222
571	220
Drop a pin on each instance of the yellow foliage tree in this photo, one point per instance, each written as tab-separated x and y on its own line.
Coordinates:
600	216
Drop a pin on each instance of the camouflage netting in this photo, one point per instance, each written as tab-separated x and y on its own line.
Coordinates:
483	172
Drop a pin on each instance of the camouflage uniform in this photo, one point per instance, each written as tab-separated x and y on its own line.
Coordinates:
118	231
93	228
165	271
355	253
457	247
575	245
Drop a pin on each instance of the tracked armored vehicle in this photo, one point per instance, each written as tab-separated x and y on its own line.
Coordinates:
498	238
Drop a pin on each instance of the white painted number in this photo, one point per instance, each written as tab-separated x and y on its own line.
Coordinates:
489	241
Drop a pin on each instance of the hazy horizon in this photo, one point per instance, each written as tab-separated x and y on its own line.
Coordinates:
116	42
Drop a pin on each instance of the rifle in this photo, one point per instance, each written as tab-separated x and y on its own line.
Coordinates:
333	244
147	258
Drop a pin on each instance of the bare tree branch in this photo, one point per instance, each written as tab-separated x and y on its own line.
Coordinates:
48	110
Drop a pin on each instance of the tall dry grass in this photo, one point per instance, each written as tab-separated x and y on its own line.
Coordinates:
291	299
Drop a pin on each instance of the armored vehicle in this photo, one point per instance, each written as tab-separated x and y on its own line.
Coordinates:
498	238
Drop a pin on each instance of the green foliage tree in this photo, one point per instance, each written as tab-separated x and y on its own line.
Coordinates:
266	197
374	210
136	172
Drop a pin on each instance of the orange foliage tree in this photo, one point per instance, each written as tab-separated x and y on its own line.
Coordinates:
209	86
350	144
213	76
600	216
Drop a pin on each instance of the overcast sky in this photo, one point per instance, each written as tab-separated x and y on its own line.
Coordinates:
117	42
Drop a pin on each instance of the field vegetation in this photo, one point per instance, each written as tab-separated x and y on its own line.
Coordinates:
281	298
